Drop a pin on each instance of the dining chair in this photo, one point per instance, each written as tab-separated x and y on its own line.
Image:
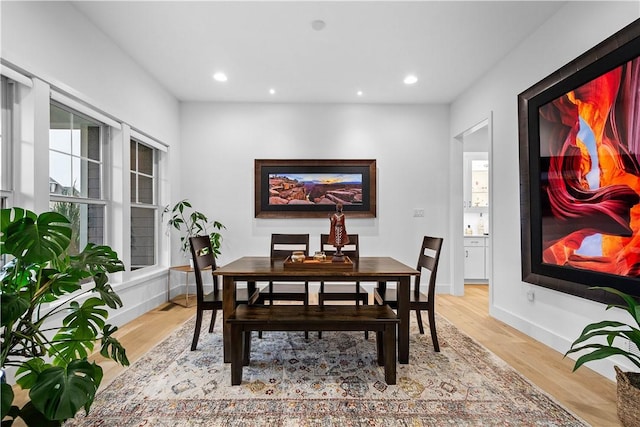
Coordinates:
342	291
282	246
419	301
204	259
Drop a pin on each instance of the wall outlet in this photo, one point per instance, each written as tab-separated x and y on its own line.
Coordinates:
531	295
418	212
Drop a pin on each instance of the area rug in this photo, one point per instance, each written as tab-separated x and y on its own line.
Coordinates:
333	381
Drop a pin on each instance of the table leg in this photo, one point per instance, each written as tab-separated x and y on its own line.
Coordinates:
186	295
228	305
403	313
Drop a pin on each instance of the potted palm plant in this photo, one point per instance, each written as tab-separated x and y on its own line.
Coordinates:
53	310
190	222
605	339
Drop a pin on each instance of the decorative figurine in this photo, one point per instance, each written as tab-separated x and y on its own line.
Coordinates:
338	236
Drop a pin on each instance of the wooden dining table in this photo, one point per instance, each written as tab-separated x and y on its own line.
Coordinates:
365	269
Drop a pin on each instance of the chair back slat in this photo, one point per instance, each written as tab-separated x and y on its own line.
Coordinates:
428	260
352	250
282	245
203	258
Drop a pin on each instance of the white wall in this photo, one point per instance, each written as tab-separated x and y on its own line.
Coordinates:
553	318
408	142
56	44
59	45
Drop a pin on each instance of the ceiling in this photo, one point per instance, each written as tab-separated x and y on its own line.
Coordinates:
364	46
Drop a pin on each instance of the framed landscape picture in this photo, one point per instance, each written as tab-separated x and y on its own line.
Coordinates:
579	133
313	188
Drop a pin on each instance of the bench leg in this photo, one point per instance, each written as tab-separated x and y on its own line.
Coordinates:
236	354
380	346
365	301
246	352
390	354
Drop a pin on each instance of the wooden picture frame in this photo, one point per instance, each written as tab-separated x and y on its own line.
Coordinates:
579	138
311	188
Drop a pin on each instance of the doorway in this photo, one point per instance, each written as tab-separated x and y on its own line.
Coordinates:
472	210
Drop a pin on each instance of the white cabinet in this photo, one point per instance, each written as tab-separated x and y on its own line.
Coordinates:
476	182
475	258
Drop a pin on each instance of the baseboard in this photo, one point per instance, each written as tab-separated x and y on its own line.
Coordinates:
444	288
128	313
554	341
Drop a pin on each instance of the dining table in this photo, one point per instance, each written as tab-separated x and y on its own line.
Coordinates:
252	269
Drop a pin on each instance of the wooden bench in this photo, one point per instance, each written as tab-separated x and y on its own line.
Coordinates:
247	318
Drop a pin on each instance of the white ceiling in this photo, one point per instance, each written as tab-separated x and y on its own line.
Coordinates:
367	46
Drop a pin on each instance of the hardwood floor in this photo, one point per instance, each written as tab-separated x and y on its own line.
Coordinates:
584	392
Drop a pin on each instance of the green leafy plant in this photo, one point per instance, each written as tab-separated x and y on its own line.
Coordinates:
611	330
193	223
53	311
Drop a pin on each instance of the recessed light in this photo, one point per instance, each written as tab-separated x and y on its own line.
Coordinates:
359	93
410	79
220	77
272	91
318	25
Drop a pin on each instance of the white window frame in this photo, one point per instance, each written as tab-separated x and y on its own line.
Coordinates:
156	148
105	171
7	138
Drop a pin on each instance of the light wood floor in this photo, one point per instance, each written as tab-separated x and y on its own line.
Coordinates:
584	392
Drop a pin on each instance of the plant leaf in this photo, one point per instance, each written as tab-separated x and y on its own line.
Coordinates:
81	328
107	294
60	392
601	351
12	307
28	372
610	330
88	316
16	276
118	352
598	328
176	222
35	239
61	283
6	398
68	344
7	218
97	259
632	307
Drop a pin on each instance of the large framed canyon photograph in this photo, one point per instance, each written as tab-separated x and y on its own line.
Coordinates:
308	188
579	132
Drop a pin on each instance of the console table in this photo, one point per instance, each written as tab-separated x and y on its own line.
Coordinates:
183	299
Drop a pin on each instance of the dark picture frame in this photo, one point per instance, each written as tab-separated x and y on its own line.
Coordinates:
305	188
568	215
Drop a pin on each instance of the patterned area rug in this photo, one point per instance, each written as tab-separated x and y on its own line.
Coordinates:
334	381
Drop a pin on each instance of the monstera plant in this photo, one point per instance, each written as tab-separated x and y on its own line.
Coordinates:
53	311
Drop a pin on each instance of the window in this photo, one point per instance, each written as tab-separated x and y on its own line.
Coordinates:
6	140
144	211
76	173
6	143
